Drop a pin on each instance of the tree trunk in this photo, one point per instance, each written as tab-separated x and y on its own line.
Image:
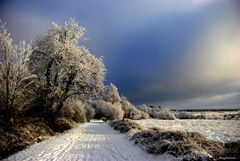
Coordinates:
64	95
48	73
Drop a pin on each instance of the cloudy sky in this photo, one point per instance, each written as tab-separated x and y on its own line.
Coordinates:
175	53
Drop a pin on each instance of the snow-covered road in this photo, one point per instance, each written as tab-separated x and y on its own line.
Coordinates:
95	141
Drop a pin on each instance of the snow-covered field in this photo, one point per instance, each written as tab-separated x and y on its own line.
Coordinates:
95	141
220	130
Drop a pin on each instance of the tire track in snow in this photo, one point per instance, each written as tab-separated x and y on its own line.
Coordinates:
95	141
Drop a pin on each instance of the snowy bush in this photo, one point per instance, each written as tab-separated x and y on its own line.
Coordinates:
122	107
125	126
130	110
61	124
90	112
200	116
184	115
160	113
146	109
144	115
32	130
132	113
164	114
78	111
108	110
187	115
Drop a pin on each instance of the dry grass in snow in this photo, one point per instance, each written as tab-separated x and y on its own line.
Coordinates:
180	143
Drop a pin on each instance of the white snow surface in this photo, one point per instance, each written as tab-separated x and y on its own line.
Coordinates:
97	141
219	130
94	141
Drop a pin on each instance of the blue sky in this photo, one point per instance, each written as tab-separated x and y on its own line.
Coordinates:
175	53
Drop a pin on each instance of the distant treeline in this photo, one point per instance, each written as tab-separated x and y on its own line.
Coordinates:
199	109
208	110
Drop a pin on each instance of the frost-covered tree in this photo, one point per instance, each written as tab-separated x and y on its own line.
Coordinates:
111	94
66	69
15	78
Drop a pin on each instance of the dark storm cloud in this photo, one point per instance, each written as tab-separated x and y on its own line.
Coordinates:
166	52
158	70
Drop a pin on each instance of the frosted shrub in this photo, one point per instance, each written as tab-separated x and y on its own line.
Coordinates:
164	114
144	115
188	115
78	111
108	110
133	113
125	126
130	110
184	115
146	109
90	112
61	124
159	113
